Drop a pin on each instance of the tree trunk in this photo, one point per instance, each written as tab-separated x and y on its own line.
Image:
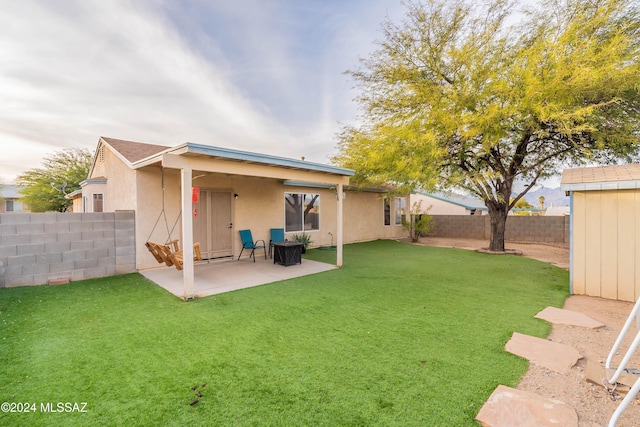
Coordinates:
498	214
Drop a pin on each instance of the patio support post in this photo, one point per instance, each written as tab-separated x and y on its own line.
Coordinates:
187	234
339	189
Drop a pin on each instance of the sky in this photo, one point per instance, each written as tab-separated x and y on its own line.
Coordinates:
266	76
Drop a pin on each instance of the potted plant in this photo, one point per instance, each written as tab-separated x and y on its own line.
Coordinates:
303	238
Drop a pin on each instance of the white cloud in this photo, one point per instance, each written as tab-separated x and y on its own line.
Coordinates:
257	75
110	68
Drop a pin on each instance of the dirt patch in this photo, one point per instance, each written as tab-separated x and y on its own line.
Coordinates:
553	254
592	402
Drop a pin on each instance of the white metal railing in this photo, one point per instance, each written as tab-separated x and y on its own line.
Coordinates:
625	361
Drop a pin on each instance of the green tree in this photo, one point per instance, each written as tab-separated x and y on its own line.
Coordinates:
61	174
456	97
521	204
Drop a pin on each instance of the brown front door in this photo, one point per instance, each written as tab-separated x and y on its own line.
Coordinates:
212	225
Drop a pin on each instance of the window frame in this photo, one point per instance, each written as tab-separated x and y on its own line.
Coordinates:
93	202
301	217
402	206
386	211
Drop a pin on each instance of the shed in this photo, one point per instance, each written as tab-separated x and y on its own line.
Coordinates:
605	230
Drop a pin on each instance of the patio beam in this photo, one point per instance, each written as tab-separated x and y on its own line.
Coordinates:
207	164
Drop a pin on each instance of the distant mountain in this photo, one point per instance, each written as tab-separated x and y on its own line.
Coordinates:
552	197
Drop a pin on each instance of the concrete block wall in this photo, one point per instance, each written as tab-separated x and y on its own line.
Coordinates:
535	229
463	226
38	247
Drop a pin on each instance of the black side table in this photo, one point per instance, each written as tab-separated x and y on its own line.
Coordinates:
287	253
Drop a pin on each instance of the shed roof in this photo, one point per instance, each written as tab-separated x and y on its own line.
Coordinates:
601	178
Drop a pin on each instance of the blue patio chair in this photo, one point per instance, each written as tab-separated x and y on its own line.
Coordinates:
277	236
248	243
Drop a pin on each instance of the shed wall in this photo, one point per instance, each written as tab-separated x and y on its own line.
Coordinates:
606	244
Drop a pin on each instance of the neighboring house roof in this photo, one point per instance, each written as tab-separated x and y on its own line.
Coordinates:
78	193
95	180
457	199
557	211
601	178
10	191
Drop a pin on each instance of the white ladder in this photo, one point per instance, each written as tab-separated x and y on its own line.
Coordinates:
625	360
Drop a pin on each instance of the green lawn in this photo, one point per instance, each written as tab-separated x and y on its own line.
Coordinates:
401	335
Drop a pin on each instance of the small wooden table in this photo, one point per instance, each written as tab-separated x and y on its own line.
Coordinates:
287	253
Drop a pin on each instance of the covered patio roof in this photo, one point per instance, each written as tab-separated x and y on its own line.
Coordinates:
190	157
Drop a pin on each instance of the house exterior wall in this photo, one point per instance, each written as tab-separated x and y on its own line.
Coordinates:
120	190
606	244
17	205
151	222
260	206
76	206
364	218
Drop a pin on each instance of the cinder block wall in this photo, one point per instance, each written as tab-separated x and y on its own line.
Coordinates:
538	229
464	226
38	247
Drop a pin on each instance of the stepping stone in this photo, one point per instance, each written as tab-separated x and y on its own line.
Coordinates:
509	407
561	316
597	374
551	355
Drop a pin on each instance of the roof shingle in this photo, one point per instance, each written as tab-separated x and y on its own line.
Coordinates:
134	151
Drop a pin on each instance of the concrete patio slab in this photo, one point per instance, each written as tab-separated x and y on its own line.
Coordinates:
227	275
509	407
551	355
561	316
